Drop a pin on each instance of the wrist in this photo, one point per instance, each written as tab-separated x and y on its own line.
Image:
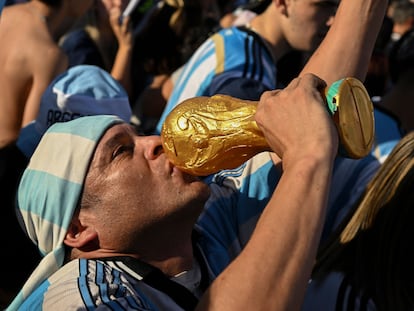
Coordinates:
309	158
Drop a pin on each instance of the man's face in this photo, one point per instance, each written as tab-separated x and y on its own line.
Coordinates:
137	188
307	22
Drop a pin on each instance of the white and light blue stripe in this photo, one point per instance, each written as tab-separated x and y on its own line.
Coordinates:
229	53
50	189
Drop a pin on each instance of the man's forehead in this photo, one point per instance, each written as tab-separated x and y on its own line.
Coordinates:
114	134
118	130
109	140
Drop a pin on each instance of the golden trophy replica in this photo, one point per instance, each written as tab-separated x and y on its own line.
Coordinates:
203	135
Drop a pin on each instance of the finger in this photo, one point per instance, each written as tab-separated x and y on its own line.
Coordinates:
114	16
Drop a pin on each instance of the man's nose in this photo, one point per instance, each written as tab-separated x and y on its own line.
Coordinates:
153	147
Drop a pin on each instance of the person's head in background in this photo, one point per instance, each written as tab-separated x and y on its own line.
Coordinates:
402	14
299	25
302	25
305	23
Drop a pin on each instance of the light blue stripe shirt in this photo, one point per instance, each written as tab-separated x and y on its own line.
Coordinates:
228	54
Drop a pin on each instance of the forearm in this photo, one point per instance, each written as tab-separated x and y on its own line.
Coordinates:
121	69
272	271
347	48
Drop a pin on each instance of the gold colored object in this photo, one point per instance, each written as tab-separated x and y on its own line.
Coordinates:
203	135
206	134
353	117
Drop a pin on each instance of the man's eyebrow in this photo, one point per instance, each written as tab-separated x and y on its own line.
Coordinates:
108	145
114	140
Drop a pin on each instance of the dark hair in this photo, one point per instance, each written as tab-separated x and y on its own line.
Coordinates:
372	247
167	39
402	11
257	6
52	3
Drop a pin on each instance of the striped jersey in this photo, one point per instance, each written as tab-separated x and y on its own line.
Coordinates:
98	284
238	197
230	54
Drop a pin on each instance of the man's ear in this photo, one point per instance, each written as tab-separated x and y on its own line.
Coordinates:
79	236
282	6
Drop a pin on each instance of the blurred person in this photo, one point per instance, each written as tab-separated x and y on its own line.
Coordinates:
402	15
367	263
183	25
79	91
103	39
241	61
30	57
192	22
394	116
121	227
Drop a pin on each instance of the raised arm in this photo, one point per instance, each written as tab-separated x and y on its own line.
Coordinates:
347	48
272	271
121	69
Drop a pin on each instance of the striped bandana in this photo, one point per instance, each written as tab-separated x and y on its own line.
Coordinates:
82	90
50	189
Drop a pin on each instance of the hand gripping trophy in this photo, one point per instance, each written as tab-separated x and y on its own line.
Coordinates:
203	135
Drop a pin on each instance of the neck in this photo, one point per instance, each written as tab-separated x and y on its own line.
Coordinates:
171	252
272	36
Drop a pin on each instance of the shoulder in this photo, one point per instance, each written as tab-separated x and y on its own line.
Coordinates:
30	47
108	283
79	284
